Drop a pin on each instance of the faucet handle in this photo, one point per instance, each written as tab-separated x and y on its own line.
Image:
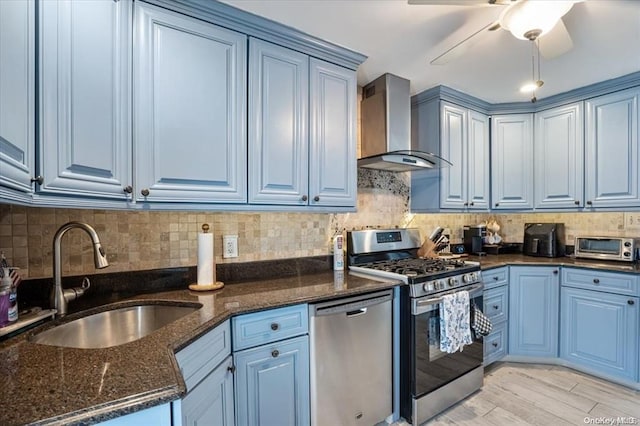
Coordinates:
86	283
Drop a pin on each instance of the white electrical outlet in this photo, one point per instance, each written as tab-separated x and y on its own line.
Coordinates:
229	246
632	221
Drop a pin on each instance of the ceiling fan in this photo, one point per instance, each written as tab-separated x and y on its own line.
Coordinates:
525	19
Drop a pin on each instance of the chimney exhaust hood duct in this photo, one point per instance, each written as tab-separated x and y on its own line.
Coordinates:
386	128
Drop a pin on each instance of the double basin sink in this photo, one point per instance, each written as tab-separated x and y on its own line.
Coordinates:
114	327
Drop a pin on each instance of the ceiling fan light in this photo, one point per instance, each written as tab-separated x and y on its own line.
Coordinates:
527	16
528	87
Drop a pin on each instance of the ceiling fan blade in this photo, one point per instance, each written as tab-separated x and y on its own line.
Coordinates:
555	42
460	48
458	2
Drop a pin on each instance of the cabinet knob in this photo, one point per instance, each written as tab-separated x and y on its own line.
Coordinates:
275	353
589	203
495	278
555	272
305	198
128	189
466	204
576	202
495	344
145	192
316	198
472	203
38	179
596	281
631	302
495	306
497	204
274	326
231	369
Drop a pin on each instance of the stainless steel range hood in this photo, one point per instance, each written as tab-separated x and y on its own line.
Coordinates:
386	128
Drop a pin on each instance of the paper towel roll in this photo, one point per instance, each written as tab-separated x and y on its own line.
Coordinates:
206	263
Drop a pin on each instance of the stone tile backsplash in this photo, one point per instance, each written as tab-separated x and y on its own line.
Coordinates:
141	240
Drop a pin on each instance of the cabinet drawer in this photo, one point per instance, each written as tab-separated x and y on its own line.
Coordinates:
495	344
495	277
269	326
198	359
496	302
612	282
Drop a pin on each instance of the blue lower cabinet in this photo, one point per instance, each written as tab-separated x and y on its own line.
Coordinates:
157	416
600	331
272	383
534	296
211	401
495	344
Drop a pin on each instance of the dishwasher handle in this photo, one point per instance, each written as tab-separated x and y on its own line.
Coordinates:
351	306
357	312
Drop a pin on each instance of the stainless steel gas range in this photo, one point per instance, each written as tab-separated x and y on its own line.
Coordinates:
430	380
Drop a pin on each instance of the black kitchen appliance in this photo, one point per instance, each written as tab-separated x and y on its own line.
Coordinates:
473	238
430	380
544	239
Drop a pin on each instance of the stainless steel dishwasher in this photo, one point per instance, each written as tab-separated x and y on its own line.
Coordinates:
351	360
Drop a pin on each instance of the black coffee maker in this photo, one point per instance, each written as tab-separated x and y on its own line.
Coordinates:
473	238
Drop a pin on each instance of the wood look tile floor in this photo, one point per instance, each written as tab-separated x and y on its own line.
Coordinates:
532	394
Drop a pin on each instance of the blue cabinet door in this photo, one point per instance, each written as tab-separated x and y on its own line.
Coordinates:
85	96
17	94
534	296
211	401
332	135
278	119
190	109
559	157
272	384
453	147
512	161
600	331
478	171
612	153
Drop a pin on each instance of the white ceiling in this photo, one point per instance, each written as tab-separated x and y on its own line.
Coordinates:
402	39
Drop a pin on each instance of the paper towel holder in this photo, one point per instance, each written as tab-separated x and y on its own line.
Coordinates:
214	285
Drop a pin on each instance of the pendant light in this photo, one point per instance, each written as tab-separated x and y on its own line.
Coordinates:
535	83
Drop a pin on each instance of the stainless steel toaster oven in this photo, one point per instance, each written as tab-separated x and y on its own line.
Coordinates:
608	248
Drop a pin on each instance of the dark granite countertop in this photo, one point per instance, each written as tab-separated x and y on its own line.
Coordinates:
54	385
495	261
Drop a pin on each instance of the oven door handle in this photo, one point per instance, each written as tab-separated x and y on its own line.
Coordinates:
421	306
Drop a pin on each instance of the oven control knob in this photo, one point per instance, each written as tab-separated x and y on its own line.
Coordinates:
429	286
439	285
469	278
452	282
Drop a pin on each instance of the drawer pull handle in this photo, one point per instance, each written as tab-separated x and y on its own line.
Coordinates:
274	326
496	306
495	344
631	302
596	281
275	353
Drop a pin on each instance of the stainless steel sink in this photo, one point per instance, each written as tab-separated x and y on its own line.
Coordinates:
114	327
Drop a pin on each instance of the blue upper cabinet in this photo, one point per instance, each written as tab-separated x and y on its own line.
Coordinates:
302	134
453	147
534	297
278	120
332	135
612	153
85	93
478	176
559	157
17	99
512	161
461	136
190	109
